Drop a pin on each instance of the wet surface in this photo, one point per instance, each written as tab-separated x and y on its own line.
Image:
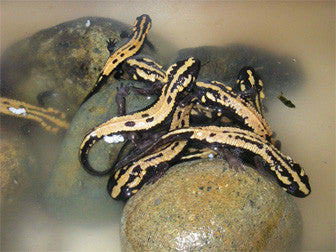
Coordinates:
307	132
204	205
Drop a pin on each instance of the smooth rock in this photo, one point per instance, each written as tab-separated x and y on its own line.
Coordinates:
72	193
205	206
17	168
58	66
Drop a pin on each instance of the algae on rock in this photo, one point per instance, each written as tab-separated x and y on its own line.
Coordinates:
205	206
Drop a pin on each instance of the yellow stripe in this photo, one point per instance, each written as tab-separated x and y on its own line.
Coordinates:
122	177
244	110
123	52
222	135
50	119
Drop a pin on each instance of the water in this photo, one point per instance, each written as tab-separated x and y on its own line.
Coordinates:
305	30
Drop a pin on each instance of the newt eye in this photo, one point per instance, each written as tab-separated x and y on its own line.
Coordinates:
293	189
296	167
290	160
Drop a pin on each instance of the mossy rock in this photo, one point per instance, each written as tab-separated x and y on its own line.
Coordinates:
58	66
205	206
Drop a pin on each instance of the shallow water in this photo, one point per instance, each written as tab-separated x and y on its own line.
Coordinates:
305	31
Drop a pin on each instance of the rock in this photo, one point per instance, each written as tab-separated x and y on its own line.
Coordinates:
58	66
37	143
72	192
203	205
278	72
17	167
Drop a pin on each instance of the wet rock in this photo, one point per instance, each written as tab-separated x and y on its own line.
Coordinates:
17	167
72	192
57	67
204	205
278	72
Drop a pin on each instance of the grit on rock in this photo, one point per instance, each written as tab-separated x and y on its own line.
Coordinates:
17	168
58	66
206	206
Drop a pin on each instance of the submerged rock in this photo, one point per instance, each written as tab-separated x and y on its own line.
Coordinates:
58	66
72	192
17	167
278	72
204	205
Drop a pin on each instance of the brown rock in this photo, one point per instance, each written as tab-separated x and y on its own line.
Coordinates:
203	205
58	66
16	168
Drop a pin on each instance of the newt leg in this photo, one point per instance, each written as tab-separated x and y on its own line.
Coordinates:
154	90
159	172
122	93
234	163
111	44
260	165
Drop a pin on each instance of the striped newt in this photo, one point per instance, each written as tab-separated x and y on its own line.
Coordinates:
50	119
180	119
221	97
144	69
127	180
290	175
250	87
140	29
179	76
216	95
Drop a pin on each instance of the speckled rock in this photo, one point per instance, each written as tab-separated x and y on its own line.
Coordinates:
17	167
278	72
204	206
71	190
58	66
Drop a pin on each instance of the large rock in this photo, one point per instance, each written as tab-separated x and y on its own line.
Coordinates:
204	205
72	192
17	168
58	66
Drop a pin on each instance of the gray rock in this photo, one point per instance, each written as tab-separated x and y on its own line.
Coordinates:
72	192
58	66
205	206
